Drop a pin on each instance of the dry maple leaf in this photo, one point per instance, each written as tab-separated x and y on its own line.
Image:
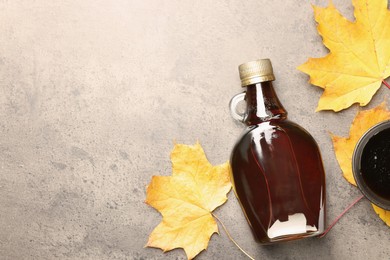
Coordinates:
383	214
186	200
359	58
344	147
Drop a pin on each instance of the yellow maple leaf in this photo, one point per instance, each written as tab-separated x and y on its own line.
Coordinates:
344	147
383	214
359	58
186	200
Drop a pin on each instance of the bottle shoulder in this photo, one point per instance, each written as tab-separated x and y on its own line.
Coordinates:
273	130
276	125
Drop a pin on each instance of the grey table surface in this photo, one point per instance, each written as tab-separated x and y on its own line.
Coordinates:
94	93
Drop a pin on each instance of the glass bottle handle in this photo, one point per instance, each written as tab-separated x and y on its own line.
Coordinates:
233	107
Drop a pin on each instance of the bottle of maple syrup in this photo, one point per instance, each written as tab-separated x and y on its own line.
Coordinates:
277	170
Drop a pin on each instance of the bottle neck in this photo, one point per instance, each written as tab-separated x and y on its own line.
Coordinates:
263	104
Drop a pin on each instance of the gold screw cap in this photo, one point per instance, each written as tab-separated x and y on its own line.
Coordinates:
255	72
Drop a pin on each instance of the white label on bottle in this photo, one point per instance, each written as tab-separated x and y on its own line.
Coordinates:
296	224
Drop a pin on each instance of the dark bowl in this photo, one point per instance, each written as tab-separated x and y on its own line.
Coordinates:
356	166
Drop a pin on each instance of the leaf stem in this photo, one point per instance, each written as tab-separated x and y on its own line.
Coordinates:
386	84
230	237
342	214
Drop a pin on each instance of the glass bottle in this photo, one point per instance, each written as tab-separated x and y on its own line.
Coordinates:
277	170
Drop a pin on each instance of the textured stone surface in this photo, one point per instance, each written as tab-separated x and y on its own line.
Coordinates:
94	93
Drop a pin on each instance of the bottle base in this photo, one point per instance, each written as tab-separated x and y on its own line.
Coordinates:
281	239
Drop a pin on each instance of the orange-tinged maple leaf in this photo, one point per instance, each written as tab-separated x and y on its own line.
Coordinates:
383	214
359	58
186	200
344	147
